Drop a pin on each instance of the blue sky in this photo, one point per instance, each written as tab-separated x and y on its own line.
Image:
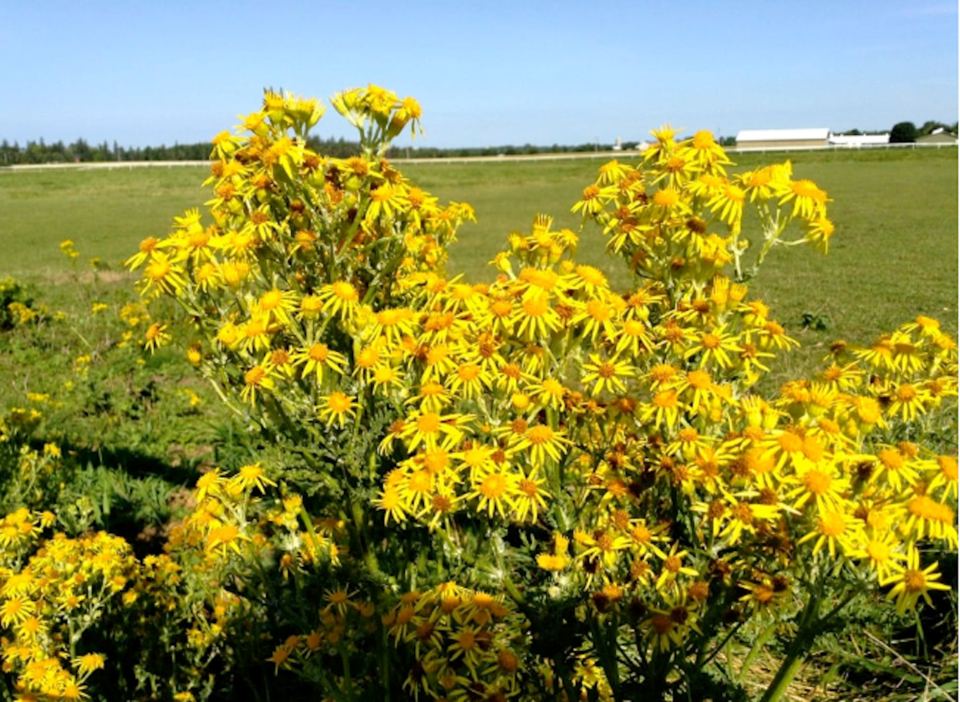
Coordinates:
146	72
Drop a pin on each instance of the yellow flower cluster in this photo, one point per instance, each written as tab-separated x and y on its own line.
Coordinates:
48	600
663	215
227	519
617	437
16	308
465	642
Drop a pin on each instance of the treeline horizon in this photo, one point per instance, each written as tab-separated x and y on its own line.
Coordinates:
81	151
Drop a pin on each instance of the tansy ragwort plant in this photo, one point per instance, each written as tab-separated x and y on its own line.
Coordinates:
539	486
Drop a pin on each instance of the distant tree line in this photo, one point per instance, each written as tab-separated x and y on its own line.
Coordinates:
908	132
80	151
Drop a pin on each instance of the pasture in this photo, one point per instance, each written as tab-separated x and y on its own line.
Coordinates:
893	255
137	429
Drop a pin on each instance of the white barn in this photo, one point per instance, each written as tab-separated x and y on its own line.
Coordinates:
857	140
783	138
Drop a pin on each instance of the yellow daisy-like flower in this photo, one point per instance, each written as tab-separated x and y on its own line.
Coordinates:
820	483
88	663
530	497
673	568
541	442
340	298
494	491
727	204
278	304
393	506
834	528
257	379
156	336
881	552
15	610
163	275
432	430
910	583
535	318
909	401
606	374
249	477
809	201
819	232
596	316
663	408
715	346
336	408
317	357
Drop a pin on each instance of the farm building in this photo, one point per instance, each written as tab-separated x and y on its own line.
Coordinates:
938	136
782	138
855	141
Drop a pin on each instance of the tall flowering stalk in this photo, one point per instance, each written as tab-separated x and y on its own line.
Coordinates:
541	484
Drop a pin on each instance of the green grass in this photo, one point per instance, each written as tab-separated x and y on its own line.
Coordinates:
106	212
893	256
137	440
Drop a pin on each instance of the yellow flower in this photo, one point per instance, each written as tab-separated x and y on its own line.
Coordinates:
494	491
530	496
340	298
535	318
315	358
880	552
337	407
673	567
832	528
819	232
820	483
88	663
257	379
664	407
247	478
715	346
392	504
156	336
606	374
280	657
163	275
809	201
15	610
910	583
431	430
538	442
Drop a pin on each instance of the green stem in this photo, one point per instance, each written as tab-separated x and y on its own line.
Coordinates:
796	656
309	528
755	649
82	338
703	658
226	401
608	657
797	652
512	590
347	679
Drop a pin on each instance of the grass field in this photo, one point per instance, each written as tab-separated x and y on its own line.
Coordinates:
893	256
137	429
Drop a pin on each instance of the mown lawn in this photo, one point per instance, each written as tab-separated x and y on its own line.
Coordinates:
893	256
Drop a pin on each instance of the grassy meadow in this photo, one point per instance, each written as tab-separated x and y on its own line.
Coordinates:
893	255
140	428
